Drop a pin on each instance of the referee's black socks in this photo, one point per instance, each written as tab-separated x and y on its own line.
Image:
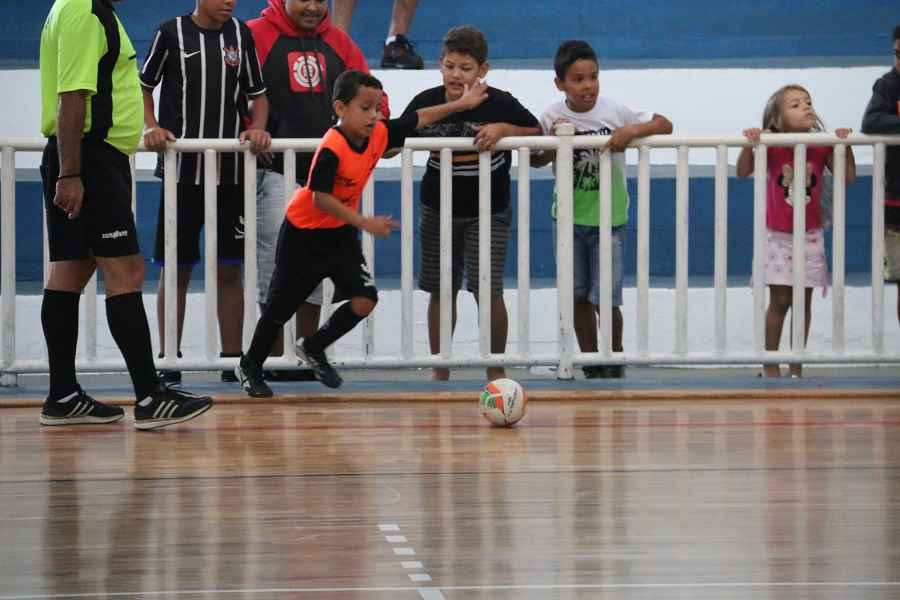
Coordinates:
59	318
128	325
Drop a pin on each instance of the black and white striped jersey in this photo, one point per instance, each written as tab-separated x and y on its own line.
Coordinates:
207	77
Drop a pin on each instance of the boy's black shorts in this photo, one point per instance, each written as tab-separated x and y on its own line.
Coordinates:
304	257
105	227
191	215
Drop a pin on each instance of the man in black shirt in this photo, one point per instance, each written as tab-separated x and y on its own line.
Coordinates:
207	64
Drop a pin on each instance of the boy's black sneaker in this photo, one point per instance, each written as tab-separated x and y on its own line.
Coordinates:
318	362
251	378
169	406
401	54
78	409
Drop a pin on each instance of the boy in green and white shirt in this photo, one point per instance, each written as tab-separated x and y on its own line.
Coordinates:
577	69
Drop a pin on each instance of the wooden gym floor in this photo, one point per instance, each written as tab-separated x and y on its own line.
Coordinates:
711	499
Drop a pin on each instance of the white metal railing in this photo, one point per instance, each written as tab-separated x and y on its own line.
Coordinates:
566	356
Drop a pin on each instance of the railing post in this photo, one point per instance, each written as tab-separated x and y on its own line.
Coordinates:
484	254
838	242
406	254
682	183
251	271
798	303
170	272
878	175
721	249
604	265
760	166
564	238
368	246
445	244
290	183
643	251
211	244
8	280
524	251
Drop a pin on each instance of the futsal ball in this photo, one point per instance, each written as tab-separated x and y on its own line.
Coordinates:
502	402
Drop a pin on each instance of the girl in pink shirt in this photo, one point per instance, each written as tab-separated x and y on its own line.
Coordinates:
790	110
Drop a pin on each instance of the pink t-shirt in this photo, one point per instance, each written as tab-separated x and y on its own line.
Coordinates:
779	203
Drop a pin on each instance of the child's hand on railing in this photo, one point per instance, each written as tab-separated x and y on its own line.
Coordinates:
620	139
843	132
488	136
157	138
753	134
259	139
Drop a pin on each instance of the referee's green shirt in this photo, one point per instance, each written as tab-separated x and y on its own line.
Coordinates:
85	47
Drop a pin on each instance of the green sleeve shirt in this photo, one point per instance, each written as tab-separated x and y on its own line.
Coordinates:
85	47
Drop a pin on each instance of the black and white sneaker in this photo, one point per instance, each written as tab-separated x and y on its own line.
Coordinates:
318	362
169	406
78	409
251	379
400	53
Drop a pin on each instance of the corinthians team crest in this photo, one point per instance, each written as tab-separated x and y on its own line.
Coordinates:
307	71
231	56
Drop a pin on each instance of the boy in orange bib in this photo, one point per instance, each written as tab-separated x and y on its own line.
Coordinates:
319	237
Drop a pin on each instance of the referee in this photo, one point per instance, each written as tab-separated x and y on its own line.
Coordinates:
92	118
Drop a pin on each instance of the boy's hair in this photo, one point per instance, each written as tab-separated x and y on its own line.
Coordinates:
348	83
897	33
466	40
569	52
772	114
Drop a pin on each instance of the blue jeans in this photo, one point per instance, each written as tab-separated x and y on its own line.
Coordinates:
586	263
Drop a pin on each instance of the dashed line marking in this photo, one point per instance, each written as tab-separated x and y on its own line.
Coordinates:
395	539
419	577
411	564
389	527
404	552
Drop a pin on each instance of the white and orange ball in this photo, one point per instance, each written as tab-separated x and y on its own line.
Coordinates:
502	402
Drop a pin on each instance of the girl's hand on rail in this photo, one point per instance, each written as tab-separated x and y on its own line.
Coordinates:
753	134
843	132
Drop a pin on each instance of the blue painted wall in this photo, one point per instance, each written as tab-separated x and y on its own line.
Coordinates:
652	30
662	230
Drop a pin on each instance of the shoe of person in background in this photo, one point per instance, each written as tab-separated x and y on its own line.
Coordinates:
400	53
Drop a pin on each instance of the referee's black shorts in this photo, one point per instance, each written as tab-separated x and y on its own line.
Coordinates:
304	257
105	227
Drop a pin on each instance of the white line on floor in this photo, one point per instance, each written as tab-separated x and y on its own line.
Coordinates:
477	588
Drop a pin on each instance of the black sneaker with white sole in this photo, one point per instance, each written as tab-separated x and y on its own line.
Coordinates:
251	379
318	362
169	406
78	409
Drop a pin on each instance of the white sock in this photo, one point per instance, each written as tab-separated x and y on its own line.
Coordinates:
390	40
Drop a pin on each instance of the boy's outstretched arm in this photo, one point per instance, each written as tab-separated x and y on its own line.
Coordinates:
474	96
880	116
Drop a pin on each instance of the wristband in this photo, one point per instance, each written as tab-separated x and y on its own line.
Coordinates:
70	176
